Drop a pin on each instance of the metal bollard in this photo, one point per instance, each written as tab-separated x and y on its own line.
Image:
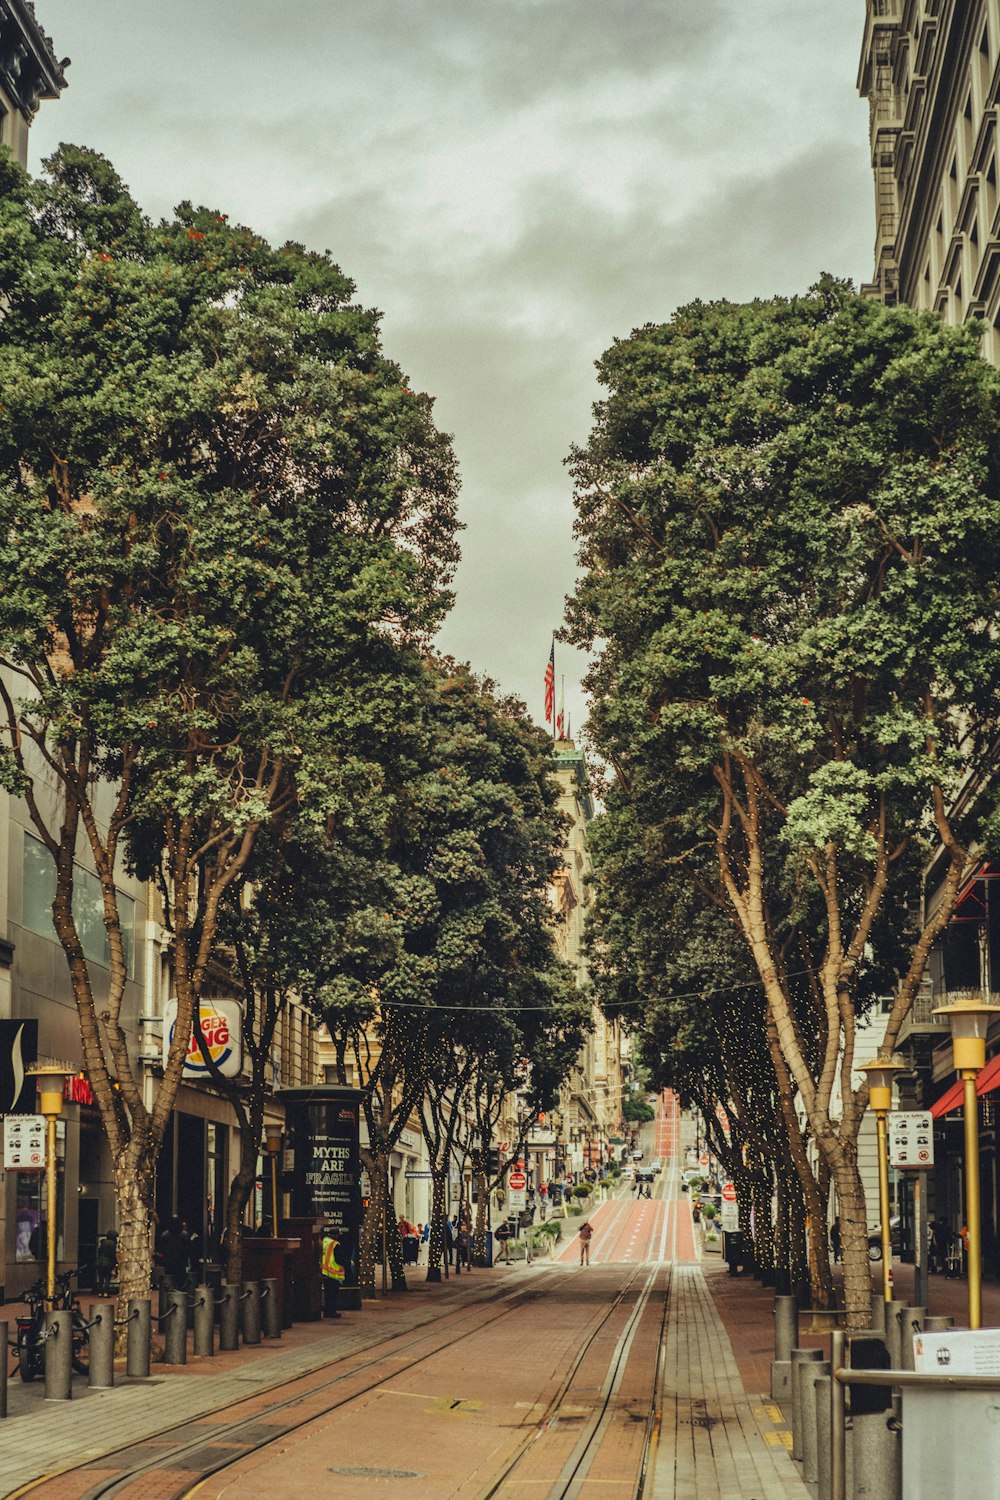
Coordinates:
163	1291
786	1338
229	1317
270	1308
824	1422
204	1322
877	1465
101	1372
878	1314
810	1450
3	1370
58	1355
175	1330
800	1358
938	1322
911	1322
250	1311
139	1338
893	1332
786	1327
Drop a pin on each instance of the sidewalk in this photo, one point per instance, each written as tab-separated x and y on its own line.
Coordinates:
716	1442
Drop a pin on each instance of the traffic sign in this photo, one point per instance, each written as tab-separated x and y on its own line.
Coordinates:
911	1139
24	1143
703	1160
728	1192
517	1182
516	1200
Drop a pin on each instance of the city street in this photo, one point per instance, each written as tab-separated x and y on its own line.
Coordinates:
550	1380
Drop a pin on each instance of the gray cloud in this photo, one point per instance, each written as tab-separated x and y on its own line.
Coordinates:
515	183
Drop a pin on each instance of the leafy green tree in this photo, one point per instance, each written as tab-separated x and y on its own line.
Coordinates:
217	497
473	838
674	964
788	520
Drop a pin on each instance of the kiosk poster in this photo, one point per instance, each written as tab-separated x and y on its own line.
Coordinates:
323	1133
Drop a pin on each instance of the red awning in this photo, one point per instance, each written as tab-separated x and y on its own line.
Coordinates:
949	1100
987	1083
989	1078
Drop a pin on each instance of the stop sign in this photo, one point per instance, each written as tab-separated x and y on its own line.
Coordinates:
517	1181
703	1160
728	1193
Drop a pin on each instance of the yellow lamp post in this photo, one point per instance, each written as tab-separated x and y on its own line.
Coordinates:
970	1021
272	1144
51	1080
881	1072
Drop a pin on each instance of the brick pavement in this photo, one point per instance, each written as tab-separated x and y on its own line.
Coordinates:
40	1438
715	1443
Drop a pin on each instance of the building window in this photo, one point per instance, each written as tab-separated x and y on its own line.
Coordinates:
38	892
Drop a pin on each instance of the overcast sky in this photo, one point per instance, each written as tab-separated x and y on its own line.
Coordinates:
514	183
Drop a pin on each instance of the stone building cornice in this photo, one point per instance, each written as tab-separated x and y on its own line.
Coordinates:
29	69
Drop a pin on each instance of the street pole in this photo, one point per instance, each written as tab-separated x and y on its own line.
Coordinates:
883	1204
970	1023
50	1209
972	1205
51	1078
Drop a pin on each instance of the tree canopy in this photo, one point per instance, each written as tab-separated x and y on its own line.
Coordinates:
219	500
788	523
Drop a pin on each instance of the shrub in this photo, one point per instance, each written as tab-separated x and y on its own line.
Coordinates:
582	1190
709	1211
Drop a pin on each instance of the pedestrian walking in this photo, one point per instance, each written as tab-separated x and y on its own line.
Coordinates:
586	1235
332	1271
835	1239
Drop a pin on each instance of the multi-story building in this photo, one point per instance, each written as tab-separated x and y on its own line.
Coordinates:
929	73
29	73
930	70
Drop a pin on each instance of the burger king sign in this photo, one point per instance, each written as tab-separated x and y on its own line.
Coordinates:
222	1028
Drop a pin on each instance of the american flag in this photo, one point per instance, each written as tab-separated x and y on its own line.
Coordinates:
550	683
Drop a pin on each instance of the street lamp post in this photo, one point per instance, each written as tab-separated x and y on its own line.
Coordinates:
51	1079
881	1072
272	1144
969	1021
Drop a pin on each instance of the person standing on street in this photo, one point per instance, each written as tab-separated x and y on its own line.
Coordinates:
586	1235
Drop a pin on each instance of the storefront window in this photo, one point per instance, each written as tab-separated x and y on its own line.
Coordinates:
29	1212
38	893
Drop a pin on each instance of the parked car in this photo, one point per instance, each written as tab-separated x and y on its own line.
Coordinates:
875	1238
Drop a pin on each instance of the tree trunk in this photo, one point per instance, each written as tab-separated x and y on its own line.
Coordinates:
854	1242
239	1196
370	1248
482	1216
435	1243
135	1197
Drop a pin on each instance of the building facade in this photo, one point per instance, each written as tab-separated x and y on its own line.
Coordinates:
929	73
29	73
930	70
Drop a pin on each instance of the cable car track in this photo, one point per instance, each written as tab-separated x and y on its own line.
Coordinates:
118	1485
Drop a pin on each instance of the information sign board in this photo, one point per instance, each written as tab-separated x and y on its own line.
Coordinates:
517	1199
24	1143
911	1139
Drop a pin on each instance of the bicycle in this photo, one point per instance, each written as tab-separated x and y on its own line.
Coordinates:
30	1329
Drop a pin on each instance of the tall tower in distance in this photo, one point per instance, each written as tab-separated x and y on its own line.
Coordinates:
929	70
29	73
